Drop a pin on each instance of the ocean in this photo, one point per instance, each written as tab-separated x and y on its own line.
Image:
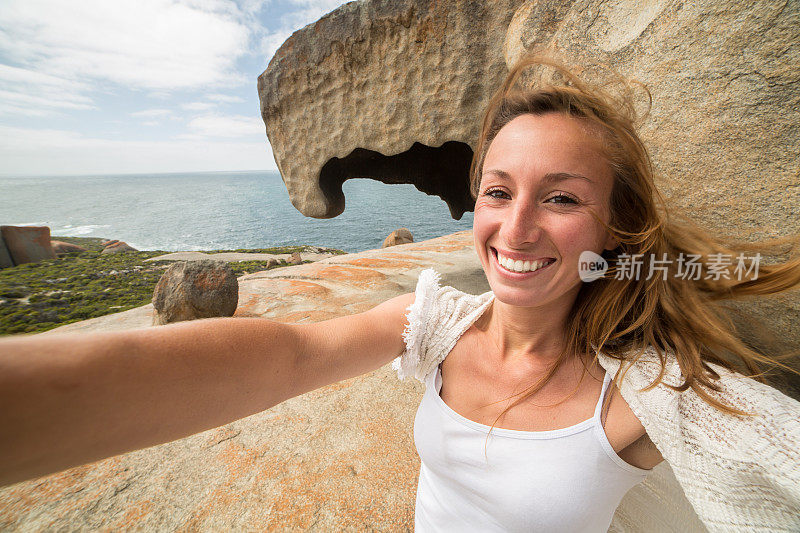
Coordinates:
217	210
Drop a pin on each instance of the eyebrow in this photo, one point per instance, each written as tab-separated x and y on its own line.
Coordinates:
552	177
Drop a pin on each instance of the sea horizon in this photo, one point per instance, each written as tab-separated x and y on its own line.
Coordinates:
211	210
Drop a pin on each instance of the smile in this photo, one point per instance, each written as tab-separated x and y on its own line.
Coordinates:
519	266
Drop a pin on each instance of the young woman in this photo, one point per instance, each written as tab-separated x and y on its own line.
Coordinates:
537	413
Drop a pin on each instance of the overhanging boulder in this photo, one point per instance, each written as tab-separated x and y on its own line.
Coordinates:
385	90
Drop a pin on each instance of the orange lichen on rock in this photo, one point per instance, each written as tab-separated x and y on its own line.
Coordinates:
337	488
392	255
310	315
361	277
133	516
304	288
444	248
374	262
248	305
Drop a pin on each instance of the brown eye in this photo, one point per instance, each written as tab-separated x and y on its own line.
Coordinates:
562	199
495	193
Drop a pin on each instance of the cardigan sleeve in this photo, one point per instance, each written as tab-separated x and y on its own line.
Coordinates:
739	473
416	331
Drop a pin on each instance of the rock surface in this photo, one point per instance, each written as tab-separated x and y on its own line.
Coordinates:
398	236
195	289
295	259
5	256
116	247
723	129
61	248
338	458
328	85
27	244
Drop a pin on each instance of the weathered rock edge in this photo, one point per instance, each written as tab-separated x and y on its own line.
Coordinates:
388	90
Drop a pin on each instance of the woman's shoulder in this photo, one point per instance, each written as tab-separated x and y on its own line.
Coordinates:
438	316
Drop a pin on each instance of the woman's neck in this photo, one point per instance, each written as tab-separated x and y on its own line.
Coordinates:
526	335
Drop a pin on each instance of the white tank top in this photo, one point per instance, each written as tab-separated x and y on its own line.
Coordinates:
567	479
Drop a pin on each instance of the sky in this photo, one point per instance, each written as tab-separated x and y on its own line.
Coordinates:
139	86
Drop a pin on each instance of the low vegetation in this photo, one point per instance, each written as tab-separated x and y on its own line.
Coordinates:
36	297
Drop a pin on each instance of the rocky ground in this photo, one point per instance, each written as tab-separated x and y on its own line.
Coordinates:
340	458
36	297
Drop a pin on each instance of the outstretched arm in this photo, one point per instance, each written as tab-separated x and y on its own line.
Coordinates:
66	400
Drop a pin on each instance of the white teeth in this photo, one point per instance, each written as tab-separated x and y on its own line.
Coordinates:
519	265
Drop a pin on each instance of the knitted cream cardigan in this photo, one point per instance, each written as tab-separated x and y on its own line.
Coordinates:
721	472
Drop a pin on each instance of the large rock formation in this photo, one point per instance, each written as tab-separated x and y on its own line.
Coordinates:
27	244
5	256
383	90
394	91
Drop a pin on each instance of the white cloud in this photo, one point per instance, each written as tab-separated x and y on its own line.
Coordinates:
21	76
31	151
217	126
149	44
65	57
152	113
11	109
31	93
224	98
199	106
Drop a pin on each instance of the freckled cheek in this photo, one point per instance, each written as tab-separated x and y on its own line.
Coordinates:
575	238
484	221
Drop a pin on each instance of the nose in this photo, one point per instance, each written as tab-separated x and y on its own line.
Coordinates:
521	225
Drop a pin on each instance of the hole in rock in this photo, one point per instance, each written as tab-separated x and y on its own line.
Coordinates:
442	171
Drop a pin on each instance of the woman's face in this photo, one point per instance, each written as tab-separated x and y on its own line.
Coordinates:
541	178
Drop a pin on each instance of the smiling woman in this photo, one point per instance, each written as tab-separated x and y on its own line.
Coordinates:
633	380
544	192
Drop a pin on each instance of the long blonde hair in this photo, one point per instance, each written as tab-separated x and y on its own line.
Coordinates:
667	313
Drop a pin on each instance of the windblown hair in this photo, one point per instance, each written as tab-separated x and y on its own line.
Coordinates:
669	314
